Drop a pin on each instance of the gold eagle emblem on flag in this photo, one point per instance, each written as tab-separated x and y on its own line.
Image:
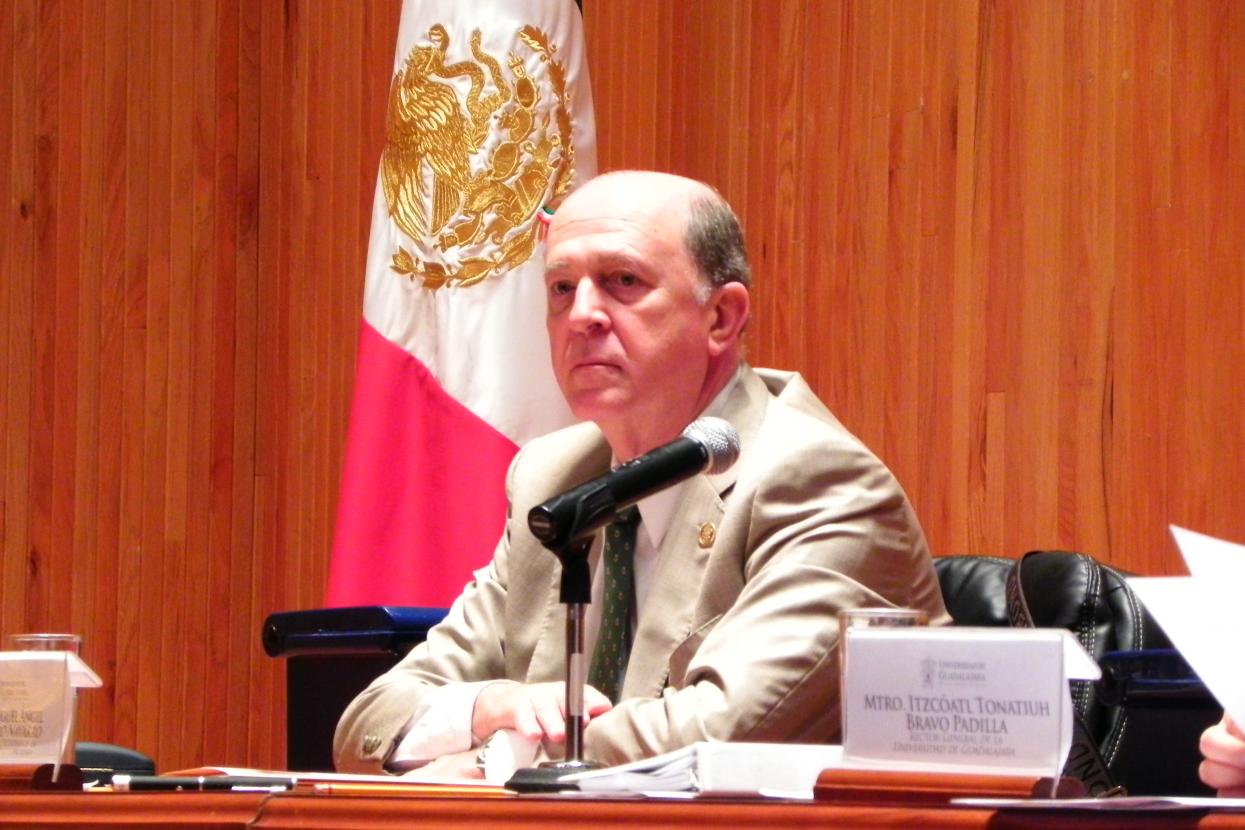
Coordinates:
464	179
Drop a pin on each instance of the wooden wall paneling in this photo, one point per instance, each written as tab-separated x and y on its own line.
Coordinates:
899	284
117	598
229	467
8	40
307	337
936	224
68	455
216	42
669	66
184	636
19	261
1150	323
1208	173
160	415
44	566
779	105
117	590
960	509
763	32
613	37
1087	280
1056	374
354	177
141	559
599	38
1002	120
1033	308
299	336
9	234
1127	339
1223	517
204	588
272	561
276	178
322	271
87	185
824	126
334	271
259	680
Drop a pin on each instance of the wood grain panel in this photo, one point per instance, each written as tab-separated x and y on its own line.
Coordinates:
187	198
1003	240
988	233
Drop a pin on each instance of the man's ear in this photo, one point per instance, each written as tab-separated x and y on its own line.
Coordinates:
729	307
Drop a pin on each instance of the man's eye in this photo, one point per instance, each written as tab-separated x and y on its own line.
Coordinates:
560	288
627	280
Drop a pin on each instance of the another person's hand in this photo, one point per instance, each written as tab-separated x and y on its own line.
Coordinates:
536	711
1223	747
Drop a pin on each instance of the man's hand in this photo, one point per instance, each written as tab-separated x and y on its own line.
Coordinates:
536	711
1224	768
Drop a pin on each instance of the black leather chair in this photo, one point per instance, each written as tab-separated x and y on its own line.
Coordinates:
974	588
1062	589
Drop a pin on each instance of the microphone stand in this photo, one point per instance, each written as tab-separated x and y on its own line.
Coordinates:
575	594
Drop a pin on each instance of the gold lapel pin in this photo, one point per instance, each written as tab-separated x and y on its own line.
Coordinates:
706	535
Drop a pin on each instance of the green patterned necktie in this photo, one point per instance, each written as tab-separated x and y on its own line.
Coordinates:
613	648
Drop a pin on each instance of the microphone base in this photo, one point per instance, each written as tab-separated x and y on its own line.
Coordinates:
547	777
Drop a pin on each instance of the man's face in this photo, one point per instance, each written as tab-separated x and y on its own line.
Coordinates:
627	328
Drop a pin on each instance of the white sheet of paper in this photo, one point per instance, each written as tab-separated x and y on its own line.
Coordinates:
1199	613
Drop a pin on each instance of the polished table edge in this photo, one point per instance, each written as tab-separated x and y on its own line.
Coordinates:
310	810
104	809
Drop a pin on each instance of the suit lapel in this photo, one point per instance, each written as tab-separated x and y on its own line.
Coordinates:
668	617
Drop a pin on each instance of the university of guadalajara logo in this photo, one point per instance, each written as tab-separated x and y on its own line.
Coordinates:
464	175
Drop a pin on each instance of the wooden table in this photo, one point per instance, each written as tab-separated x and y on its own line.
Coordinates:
235	811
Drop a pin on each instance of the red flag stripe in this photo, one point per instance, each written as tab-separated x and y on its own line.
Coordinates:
419	486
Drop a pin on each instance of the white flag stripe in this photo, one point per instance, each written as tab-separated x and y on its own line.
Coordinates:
485	343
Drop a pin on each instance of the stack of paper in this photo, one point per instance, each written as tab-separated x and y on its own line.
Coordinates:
781	770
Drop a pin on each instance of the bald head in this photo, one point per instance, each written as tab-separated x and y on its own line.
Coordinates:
710	229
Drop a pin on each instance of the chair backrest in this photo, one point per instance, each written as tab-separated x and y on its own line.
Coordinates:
974	588
1060	589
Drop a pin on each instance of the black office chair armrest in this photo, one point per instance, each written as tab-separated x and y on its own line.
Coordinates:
370	628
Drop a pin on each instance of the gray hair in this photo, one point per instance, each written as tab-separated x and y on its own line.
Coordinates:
715	241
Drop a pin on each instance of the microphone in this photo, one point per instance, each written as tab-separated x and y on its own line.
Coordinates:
707	445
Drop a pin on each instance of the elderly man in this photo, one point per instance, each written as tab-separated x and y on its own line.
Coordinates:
738	576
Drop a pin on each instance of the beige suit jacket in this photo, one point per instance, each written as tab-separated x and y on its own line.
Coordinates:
738	639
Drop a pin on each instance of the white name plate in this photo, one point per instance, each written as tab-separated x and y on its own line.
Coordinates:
985	700
36	703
